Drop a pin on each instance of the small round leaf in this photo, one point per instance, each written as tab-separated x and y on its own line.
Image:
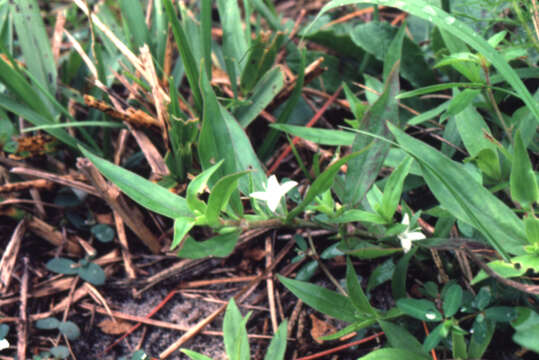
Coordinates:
69	329
59	352
103	233
4	329
47	323
452	300
62	266
419	309
93	274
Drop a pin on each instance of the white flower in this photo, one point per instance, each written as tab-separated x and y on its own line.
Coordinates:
408	235
274	192
4	344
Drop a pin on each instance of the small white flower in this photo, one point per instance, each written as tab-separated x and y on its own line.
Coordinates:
274	192
4	344
430	316
408	235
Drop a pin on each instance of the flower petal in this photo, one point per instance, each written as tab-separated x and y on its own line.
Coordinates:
406	244
414	236
260	195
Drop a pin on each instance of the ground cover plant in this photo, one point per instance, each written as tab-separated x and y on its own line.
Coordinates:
369	165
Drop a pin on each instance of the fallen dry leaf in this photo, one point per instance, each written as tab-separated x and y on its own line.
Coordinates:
108	326
320	328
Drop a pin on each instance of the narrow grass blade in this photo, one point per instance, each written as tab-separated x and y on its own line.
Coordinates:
133	16
234	40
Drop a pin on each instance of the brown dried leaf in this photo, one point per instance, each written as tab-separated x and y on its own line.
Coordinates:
320	328
108	326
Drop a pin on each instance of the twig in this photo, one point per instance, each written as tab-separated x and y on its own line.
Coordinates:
9	257
22	324
270	286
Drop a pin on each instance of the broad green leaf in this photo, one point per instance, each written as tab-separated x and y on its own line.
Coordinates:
277	346
459	345
92	273
318	136
182	226
376	38
103	233
518	266
364	169
321	184
189	63
134	22
400	338
473	130
434	338
391	354
146	193
235	334
461	100
483	330
398	281
381	274
501	313
452	300
483	298
33	40
527	328
365	250
62	266
219	246
393	190
459	30
523	180
263	93
355	215
531	224
197	185
420	309
194	355
220	195
464	198
234	38
69	329
355	292
221	137
49	323
321	299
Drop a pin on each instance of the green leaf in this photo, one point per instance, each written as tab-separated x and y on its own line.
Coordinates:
399	337
59	352
277	346
363	170
452	300
527	328
189	63
235	334
381	274
135	23
464	198
482	299
501	313
92	273
49	323
420	309
318	136
182	226
221	137
220	195
219	246
531	224
459	346
390	354
523	180
69	329
508	269
321	184
205	31
483	330
197	185
62	266
355	215
435	336
398	281
146	193
263	93
234	38
33	40
194	355
4	330
321	299
459	30
473	130
355	292
393	189
103	233
461	100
